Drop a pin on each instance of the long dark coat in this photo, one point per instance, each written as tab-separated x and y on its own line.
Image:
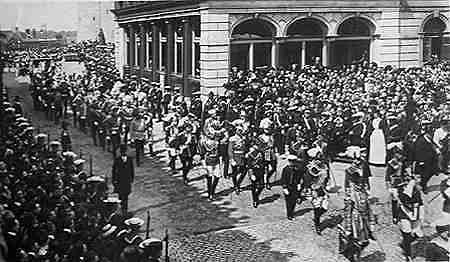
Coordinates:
425	152
123	176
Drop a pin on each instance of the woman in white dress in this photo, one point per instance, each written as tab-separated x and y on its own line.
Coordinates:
377	146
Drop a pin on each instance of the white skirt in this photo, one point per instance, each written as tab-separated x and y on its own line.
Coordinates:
377	148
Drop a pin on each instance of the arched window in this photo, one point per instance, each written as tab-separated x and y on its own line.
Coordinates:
253	28
304	42
434	26
251	44
355	26
307	27
434	41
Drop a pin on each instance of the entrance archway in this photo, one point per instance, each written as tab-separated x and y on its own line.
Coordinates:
433	39
304	42
252	44
353	44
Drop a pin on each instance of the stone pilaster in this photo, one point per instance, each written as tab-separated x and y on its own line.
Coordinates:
214	52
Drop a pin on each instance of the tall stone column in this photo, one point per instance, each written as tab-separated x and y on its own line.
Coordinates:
132	43
155	51
187	57
143	48
214	52
325	52
170	49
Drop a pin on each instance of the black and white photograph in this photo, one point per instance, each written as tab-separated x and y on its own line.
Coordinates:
225	131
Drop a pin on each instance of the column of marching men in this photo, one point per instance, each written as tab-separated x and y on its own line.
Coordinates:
51	209
309	116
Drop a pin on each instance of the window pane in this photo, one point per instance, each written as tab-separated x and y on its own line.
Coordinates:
128	53
262	54
179	62
197	59
163	55
149	54
290	53
239	56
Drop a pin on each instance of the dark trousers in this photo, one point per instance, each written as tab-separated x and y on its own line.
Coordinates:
94	134
291	201
186	162
212	182
273	165
166	108
238	174
124	203
407	240
115	146
223	152
139	146
172	161
257	184
318	212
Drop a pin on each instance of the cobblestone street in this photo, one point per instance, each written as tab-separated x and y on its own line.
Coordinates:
229	228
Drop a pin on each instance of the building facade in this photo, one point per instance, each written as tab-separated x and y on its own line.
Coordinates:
93	16
195	43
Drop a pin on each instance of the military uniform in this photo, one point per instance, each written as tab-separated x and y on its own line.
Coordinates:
270	162
188	145
209	148
138	134
237	148
255	167
318	173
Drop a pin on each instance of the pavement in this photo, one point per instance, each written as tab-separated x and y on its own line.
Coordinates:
229	228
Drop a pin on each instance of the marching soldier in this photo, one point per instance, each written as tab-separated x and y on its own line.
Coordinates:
290	180
359	222
209	148
237	148
317	176
65	137
255	164
188	145
268	148
138	134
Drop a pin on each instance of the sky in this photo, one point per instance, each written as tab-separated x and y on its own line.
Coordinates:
56	15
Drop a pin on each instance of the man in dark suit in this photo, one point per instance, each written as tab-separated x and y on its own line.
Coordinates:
123	176
290	180
425	155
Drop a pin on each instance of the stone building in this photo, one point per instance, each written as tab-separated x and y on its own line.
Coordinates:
193	43
93	16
